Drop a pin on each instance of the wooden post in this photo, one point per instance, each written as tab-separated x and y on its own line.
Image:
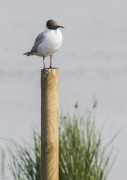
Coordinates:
49	124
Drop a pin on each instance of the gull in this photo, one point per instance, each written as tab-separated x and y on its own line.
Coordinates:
47	42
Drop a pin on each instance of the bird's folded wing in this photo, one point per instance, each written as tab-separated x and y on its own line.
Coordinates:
38	40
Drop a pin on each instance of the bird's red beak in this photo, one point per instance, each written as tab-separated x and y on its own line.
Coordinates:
60	26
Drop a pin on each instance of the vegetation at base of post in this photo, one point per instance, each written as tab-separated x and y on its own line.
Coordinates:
82	155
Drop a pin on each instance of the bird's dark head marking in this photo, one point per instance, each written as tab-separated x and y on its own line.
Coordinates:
52	25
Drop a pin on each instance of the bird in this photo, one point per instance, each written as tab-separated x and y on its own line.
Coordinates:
47	42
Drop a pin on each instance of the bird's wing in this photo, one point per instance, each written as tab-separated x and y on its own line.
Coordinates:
38	40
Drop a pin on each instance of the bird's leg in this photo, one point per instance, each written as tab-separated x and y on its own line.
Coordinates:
50	61
44	62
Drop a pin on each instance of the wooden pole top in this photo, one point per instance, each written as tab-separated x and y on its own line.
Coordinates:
49	124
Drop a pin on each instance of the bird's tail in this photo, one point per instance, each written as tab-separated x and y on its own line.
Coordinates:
28	53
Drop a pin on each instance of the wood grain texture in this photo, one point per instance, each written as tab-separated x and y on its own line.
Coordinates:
49	124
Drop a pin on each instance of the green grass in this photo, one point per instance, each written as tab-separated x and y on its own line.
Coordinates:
82	155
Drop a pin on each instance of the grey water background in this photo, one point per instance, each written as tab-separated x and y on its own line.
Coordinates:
92	62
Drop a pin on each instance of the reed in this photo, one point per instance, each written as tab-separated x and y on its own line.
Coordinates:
82	155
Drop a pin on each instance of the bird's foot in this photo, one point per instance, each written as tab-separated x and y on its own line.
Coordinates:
44	67
50	67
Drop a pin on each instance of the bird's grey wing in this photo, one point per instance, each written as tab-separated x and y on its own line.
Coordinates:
38	40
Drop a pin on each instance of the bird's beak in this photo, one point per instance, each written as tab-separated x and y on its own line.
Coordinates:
60	26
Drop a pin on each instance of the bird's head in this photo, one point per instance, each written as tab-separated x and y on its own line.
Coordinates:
52	25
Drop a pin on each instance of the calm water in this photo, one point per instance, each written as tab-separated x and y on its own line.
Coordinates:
92	61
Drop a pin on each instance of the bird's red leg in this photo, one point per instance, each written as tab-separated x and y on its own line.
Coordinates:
43	62
50	61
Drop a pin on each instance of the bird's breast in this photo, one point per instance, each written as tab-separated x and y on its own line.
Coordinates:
51	42
54	37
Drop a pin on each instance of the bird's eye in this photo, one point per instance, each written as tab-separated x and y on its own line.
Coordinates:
51	27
